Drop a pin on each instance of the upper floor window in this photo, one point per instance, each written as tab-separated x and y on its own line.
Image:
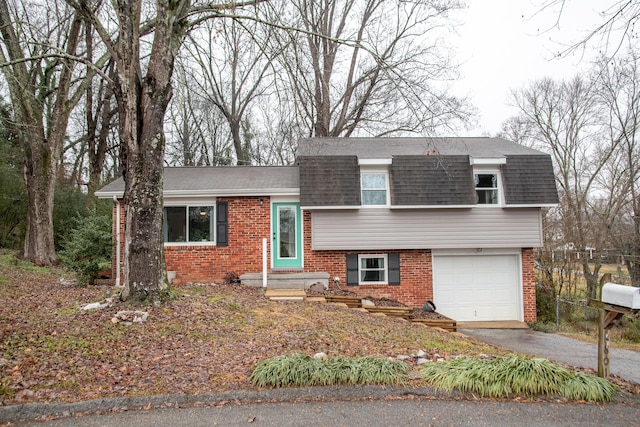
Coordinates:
188	224
487	188
374	188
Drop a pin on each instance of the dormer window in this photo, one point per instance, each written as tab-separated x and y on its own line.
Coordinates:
374	187
487	188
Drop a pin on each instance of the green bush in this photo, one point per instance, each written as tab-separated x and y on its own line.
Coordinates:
300	370
87	251
504	377
13	193
69	204
631	328
545	303
547	328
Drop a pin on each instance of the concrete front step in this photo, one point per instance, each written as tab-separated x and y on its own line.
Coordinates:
285	294
276	280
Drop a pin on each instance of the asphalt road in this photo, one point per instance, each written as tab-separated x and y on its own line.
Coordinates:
406	412
625	363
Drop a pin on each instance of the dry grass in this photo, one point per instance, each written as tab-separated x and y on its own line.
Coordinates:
207	339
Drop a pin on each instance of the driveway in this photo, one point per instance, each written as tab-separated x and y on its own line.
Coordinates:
562	349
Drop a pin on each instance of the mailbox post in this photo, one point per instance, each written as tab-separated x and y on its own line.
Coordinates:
616	300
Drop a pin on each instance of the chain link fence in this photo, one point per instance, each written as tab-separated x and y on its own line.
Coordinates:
574	315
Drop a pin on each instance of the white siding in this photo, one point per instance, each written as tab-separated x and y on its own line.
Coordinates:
367	229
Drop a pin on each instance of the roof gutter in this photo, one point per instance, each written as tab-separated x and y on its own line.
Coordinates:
219	192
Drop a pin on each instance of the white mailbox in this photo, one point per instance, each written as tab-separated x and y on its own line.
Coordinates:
625	296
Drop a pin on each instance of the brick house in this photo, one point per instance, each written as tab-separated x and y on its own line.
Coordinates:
451	220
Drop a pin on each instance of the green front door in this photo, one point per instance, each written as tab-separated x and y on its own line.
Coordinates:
287	235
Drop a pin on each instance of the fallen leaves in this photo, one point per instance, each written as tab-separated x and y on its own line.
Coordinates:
208	339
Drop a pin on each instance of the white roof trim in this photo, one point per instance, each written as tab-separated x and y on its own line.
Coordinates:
489	161
432	206
374	162
324	208
222	192
214	193
538	205
108	194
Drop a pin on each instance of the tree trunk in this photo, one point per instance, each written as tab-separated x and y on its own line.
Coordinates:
40	174
143	101
633	267
590	277
38	98
241	152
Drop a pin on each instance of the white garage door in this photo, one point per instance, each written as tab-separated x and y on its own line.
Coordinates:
477	287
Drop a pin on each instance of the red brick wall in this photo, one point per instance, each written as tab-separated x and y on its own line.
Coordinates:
249	223
529	285
114	257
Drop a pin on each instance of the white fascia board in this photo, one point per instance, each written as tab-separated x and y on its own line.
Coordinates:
432	206
235	192
488	161
324	208
109	194
374	162
213	193
539	205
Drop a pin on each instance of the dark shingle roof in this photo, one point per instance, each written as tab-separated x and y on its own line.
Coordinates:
529	180
221	181
384	148
329	181
423	172
431	180
431	171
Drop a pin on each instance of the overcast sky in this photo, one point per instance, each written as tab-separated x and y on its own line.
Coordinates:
505	44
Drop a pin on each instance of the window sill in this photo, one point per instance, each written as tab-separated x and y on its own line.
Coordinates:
179	244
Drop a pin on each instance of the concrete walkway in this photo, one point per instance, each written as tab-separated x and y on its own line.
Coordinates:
625	363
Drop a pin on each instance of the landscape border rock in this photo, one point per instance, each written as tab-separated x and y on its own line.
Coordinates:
129	317
32	411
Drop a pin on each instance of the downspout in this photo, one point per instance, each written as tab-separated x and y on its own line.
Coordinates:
117	202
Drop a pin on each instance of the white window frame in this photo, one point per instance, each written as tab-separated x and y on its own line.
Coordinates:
374	171
187	204
498	187
386	269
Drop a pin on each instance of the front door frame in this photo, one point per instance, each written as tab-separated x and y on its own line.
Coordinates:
294	262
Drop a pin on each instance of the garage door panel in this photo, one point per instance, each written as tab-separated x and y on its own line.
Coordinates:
477	287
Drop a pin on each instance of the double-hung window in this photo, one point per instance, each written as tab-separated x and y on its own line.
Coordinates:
189	224
374	187
487	187
372	269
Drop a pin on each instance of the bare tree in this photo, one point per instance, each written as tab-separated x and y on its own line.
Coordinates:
618	83
197	133
143	89
388	77
91	137
233	60
617	25
563	118
38	59
100	112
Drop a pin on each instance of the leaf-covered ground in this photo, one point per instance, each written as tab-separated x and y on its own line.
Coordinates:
205	340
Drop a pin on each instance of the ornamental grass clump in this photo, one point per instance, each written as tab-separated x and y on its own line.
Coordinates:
516	376
301	370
